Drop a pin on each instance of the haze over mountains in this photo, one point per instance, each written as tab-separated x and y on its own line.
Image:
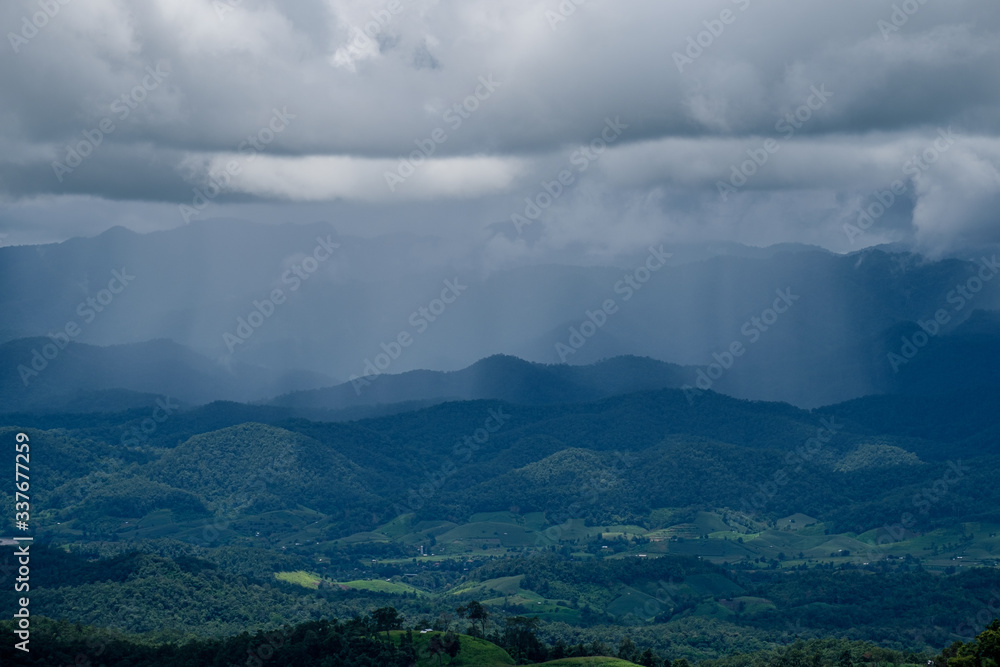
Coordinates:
266	310
293	402
549	332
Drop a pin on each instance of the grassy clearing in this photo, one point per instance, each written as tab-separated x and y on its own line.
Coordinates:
301	578
507	534
474	652
504	585
312	580
588	662
380	586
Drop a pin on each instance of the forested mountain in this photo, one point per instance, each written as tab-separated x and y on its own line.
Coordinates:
844	314
464	333
499	377
652	514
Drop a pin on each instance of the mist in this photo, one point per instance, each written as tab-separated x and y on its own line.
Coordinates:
300	189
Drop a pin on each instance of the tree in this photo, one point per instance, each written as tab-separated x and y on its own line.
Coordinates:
650	659
435	647
452	644
475	611
406	647
983	651
519	637
387	618
627	650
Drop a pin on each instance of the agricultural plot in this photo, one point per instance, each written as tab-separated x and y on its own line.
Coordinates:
313	580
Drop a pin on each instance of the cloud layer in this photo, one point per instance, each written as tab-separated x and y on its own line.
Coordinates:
740	120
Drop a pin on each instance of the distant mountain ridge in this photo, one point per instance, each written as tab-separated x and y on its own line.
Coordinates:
500	377
849	313
86	378
649	449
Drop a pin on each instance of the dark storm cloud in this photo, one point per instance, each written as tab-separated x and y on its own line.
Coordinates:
366	84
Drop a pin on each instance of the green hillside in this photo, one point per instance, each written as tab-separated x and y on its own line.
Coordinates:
589	662
474	652
627	513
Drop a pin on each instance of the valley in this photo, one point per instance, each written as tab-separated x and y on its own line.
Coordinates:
639	516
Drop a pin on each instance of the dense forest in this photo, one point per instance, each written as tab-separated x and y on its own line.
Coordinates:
378	639
689	533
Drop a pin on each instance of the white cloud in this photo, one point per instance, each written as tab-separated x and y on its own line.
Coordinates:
320	178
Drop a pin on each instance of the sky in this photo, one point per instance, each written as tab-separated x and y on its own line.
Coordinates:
527	130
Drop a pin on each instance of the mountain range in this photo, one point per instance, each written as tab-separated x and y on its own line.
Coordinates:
259	311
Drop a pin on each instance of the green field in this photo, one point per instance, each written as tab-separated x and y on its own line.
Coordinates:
711	596
474	535
300	578
312	580
589	662
720	536
503	585
474	652
380	586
